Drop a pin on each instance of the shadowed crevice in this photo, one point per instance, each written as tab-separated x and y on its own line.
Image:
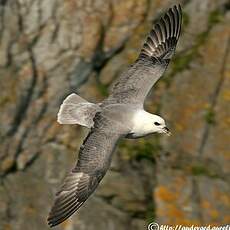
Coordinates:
25	98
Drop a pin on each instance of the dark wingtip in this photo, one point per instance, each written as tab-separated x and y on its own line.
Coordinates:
72	194
50	222
162	39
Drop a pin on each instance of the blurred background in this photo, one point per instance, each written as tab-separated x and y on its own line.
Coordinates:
51	48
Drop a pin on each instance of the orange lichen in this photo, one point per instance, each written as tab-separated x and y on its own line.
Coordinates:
205	204
226	219
175	212
213	213
165	194
226	95
7	227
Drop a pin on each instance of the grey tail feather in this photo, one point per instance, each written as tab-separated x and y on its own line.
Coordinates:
162	40
76	110
75	99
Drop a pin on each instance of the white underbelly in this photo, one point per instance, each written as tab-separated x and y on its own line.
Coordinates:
132	135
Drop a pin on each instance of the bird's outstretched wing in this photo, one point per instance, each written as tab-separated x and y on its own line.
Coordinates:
94	160
134	84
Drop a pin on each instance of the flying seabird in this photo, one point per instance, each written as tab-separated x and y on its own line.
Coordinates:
121	115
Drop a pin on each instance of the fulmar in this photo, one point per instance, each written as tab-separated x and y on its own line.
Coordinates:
120	115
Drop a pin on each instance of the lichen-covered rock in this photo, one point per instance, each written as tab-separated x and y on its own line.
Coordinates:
197	156
49	49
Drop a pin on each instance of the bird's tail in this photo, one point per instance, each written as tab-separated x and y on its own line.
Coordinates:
162	40
76	110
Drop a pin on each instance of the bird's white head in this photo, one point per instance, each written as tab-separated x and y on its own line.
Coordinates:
158	125
146	123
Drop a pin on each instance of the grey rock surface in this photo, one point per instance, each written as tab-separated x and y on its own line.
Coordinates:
49	49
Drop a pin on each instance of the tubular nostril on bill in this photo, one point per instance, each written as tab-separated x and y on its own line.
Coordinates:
167	131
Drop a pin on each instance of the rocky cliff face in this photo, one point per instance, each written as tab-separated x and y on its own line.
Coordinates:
49	49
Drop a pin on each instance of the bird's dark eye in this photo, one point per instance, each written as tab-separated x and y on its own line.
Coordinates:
156	123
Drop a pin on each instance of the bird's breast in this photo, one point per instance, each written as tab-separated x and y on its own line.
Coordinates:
142	124
133	135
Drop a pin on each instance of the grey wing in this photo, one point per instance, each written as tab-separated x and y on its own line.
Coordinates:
94	160
134	84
